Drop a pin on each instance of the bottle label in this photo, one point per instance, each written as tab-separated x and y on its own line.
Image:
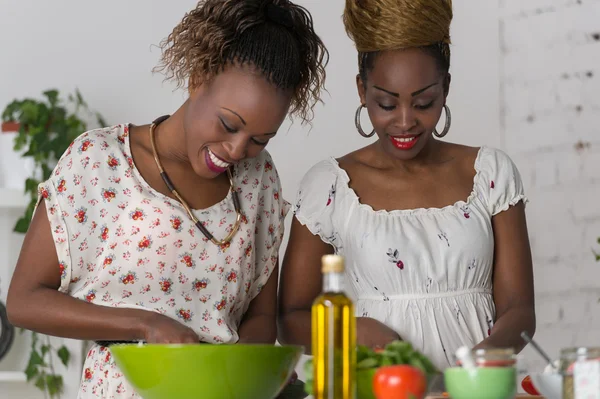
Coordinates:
586	379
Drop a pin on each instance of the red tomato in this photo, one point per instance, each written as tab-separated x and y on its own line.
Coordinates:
399	382
528	386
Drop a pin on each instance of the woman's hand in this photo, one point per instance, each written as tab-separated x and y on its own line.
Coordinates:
374	334
160	329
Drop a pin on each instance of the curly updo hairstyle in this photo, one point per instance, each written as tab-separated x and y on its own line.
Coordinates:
380	25
276	37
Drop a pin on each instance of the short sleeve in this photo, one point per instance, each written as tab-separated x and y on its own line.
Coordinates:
502	181
316	202
270	223
52	192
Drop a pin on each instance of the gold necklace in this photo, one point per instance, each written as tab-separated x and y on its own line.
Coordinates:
169	184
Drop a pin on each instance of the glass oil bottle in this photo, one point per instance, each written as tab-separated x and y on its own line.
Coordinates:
333	335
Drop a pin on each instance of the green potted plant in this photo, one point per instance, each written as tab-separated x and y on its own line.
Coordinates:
45	129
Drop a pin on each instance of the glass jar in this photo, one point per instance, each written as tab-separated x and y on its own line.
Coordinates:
493	357
568	357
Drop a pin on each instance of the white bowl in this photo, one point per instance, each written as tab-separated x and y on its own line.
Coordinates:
548	385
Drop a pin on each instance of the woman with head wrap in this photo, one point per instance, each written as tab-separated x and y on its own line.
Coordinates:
434	233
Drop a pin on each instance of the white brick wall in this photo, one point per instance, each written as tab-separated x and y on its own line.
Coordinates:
550	109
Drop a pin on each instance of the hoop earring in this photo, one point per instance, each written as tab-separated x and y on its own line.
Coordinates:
446	126
357	123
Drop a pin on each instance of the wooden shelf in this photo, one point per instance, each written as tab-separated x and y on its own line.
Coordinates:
12	198
12	376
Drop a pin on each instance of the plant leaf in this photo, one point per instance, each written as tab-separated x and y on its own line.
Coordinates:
54	383
45	349
64	355
40	382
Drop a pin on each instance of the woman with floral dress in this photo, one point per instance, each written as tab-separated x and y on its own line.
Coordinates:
434	233
169	232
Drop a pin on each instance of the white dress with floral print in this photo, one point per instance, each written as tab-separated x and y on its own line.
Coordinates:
120	243
426	273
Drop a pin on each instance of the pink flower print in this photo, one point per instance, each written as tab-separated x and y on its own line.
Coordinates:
149	276
113	162
86	145
71	200
104	233
129	278
206	316
108	261
164	234
127	192
276	195
130	162
105	283
187	260
220	305
134	230
166	285
154	299
204	255
228	259
161	267
127	255
115	180
199	285
136	215
185	314
220	322
43	192
232	277
223	247
211	268
492	185
174	267
126	294
81	215
104	145
113	271
91	295
178	244
247	287
157	210
96	165
490	324
103	213
268	166
90	267
120	388
205	298
88	374
85	161
162	250
176	223
142	261
155	224
109	194
183	279
62	269
93	202
466	211
144	243
393	255
94	182
83	246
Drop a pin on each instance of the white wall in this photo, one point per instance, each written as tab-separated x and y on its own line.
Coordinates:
551	107
104	48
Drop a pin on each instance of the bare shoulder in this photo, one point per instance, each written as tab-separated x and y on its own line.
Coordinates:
358	161
464	157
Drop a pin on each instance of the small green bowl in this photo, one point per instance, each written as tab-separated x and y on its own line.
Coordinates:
207	371
481	382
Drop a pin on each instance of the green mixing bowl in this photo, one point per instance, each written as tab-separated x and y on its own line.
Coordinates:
481	382
207	371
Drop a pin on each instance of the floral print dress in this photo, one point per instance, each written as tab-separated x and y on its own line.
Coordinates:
120	243
426	273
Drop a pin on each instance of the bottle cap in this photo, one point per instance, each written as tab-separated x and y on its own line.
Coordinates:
332	264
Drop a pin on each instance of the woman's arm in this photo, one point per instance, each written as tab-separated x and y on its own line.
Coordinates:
301	283
259	324
513	281
35	303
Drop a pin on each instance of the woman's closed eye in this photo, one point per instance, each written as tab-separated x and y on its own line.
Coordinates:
228	128
417	106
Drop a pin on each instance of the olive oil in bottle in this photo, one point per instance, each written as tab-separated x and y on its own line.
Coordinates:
333	335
